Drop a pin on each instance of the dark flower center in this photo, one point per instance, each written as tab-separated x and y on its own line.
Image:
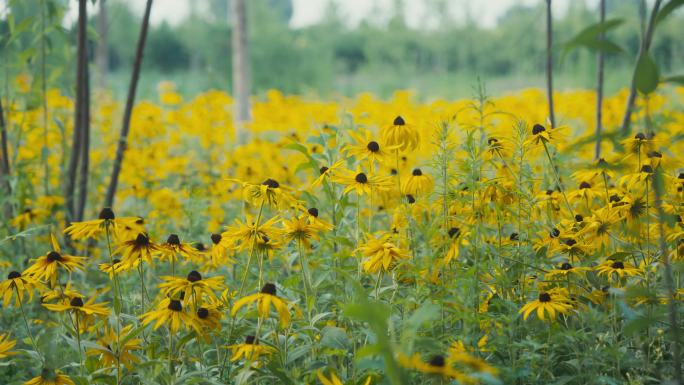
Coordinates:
313	212
322	170
417	172
437	361
139	221
410	198
513	237
106	214
647	169
566	266
373	146
544	297
54	256
579	218
614	198
76	302
115	261
681	175
571	242
555	233
584	185
251	340
490	141
173	240
618	265
142	240
602	163
393	171
654	154
199	246
399	121
175	305
361	178
538	128
269	288
216	238
194	276
271	183
202	313
13	275
549	192
454	231
640	136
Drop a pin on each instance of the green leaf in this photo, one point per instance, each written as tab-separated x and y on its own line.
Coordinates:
335	338
668	9
679	79
646	76
590	37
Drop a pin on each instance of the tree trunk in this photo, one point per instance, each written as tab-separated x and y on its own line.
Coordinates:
241	87
80	113
130	100
549	62
85	149
645	46
599	86
4	164
101	52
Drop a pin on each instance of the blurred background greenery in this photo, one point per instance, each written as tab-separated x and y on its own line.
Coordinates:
333	56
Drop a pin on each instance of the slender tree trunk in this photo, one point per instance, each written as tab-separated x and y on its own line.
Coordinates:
85	148
645	46
125	127
43	86
549	62
101	52
599	86
241	75
4	164
80	113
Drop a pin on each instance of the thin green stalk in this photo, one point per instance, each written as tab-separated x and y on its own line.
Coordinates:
28	329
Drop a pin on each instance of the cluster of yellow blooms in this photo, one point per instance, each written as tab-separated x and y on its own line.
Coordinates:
415	193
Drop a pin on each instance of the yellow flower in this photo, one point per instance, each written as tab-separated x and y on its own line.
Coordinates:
250	350
269	192
264	299
6	345
192	288
404	136
299	229
108	351
115	267
21	284
541	135
95	228
381	254
50	377
437	365
326	172
28	216
361	183
77	306
417	184
173	247
334	380
367	148
620	269
46	267
314	220
135	251
170	312
243	234
218	253
551	302
565	269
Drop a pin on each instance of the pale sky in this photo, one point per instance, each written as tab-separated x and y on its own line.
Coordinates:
307	12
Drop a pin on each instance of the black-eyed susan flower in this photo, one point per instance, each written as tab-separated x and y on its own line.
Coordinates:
6	345
194	286
243	234
312	217
113	348
360	182
270	192
542	135
250	350
18	284
263	300
332	378
209	317
437	364
135	251
173	247
50	377
218	253
327	172
381	254
170	312
112	268
77	306
96	227
368	148
400	134
617	269
47	266
551	302
565	269
417	183
299	229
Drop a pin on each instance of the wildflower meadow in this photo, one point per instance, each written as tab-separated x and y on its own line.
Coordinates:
496	239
